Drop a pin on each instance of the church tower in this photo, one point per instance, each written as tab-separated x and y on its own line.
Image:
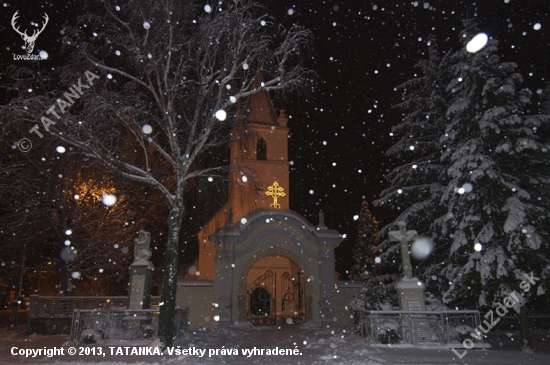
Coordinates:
259	158
259	170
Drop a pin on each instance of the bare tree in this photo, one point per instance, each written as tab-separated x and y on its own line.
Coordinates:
160	82
54	211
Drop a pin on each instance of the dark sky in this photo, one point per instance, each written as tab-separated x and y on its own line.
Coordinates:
363	50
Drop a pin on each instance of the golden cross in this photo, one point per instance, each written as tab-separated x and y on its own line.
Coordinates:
275	191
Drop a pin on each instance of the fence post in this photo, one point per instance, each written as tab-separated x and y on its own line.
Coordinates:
371	328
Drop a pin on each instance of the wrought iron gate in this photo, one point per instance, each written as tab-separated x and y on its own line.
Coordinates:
261	307
293	306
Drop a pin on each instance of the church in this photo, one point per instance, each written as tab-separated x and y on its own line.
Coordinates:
259	262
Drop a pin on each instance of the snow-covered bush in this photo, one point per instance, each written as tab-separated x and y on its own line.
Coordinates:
375	295
90	336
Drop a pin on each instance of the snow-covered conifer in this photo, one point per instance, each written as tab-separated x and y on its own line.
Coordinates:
367	241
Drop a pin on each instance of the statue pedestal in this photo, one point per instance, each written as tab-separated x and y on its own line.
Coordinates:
411	294
139	293
139	296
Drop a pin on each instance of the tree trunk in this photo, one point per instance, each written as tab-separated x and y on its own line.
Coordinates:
169	288
524	330
63	278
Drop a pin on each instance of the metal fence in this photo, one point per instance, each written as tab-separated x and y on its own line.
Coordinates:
422	327
118	324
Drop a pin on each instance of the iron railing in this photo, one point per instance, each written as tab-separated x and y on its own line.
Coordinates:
419	327
118	324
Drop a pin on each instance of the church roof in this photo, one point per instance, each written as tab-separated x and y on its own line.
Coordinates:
259	107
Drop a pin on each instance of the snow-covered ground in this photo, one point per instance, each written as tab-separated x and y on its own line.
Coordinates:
315	346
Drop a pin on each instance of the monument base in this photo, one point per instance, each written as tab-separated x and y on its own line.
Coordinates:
139	293
411	294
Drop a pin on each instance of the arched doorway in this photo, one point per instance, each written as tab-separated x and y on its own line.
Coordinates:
275	292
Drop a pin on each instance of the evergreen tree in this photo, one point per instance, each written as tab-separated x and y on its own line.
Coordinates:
363	252
488	212
418	183
495	225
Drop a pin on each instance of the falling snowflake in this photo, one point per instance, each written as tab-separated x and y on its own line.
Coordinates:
221	115
477	43
421	248
147	129
109	199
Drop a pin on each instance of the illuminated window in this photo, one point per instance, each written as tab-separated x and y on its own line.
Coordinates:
261	150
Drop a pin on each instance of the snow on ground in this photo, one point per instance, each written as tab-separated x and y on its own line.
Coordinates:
316	346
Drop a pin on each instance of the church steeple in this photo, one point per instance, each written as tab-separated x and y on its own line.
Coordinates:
260	158
258	107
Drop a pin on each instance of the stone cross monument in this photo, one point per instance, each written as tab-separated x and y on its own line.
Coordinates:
409	290
404	237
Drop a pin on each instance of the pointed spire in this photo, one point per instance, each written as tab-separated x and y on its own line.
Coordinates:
259	107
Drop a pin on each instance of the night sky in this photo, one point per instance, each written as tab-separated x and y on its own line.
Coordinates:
363	50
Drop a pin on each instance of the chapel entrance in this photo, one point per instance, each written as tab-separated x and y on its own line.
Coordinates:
275	292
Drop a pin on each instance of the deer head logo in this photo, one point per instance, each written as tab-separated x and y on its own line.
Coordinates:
29	40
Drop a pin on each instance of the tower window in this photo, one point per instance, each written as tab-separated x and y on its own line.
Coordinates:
261	150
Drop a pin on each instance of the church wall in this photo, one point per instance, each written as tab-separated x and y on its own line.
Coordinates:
344	294
207	250
198	295
287	234
245	197
277	142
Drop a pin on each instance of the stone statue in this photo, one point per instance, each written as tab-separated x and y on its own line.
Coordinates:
321	217
141	247
403	237
321	224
